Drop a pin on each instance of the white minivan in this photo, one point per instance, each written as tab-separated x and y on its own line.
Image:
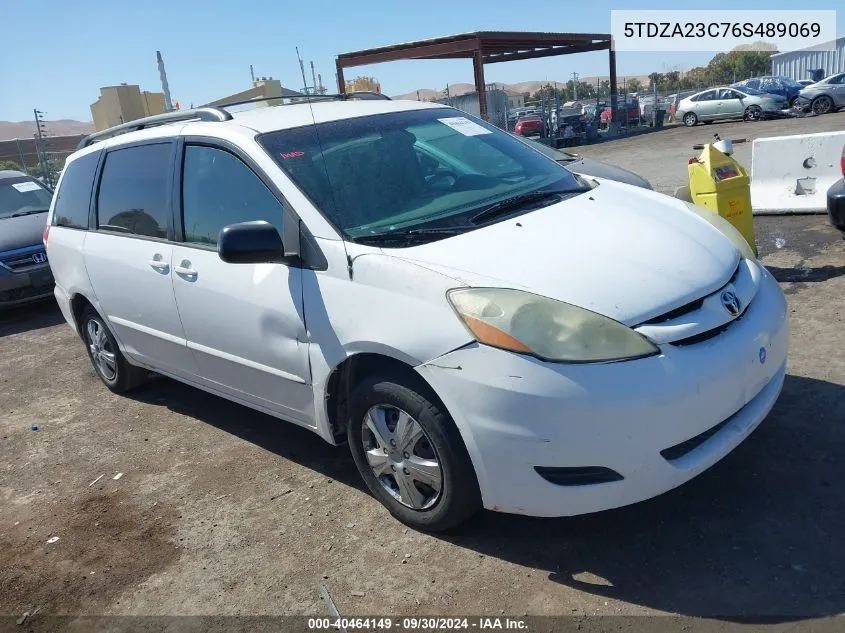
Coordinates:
480	325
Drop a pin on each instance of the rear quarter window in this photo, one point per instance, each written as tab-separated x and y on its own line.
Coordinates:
73	198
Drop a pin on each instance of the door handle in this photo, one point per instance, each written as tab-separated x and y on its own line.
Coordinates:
159	264
184	270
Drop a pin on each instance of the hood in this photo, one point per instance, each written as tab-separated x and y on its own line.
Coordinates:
22	231
589	167
621	251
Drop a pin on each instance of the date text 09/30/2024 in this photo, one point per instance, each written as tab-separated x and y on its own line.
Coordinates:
417	624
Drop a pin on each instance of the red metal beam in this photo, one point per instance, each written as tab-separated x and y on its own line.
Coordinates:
480	86
341	83
421	51
494	37
546	52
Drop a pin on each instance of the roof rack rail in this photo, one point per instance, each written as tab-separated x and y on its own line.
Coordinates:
360	95
201	114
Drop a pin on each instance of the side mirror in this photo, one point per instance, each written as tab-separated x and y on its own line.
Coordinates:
255	242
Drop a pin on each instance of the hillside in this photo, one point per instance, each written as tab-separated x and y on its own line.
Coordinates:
524	86
25	129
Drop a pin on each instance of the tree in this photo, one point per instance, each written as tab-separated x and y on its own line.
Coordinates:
9	164
363	84
634	85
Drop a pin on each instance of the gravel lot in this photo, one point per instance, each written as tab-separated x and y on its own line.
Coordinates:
662	156
222	510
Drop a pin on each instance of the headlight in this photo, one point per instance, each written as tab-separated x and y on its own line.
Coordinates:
726	228
552	330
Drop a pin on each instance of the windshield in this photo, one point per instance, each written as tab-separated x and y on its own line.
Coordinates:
407	170
551	152
22	196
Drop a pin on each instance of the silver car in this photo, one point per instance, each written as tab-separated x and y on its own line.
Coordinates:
827	95
728	103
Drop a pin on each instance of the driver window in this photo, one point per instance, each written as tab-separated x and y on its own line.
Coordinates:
217	190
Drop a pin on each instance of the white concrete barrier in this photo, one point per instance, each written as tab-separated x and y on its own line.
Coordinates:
793	173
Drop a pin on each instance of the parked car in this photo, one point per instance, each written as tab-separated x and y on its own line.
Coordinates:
728	103
480	326
627	112
827	95
24	271
772	84
836	199
587	167
806	82
531	125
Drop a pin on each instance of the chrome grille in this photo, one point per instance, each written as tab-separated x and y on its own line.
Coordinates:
706	317
23	262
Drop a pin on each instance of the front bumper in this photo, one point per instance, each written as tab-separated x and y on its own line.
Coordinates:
516	413
836	204
35	283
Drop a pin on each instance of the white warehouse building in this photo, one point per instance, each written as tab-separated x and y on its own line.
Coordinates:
800	64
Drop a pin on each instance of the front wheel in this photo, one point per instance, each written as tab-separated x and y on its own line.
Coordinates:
753	113
822	105
410	454
690	119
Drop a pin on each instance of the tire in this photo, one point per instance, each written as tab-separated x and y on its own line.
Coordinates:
391	406
753	113
793	101
822	105
117	374
690	119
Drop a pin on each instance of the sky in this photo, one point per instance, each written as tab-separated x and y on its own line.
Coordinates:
69	49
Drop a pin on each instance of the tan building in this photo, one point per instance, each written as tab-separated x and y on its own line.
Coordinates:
262	88
119	104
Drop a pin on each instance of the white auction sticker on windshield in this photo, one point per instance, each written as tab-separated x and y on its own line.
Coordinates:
23	187
464	126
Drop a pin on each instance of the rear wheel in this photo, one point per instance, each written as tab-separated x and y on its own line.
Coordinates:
753	113
108	361
690	119
822	105
410	454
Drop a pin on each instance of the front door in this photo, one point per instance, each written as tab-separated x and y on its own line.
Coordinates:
243	322
128	256
730	104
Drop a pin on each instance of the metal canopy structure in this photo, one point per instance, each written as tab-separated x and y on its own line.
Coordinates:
486	47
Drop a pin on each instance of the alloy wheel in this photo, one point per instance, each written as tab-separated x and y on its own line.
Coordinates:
101	350
402	457
822	105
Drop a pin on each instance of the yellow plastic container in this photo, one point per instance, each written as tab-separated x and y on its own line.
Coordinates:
719	183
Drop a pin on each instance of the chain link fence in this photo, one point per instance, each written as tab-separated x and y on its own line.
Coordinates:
42	159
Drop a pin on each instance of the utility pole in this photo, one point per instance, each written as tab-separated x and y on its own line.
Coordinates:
302	70
575	86
40	134
251	73
313	78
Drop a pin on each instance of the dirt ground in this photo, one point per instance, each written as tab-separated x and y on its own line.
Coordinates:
222	510
662	156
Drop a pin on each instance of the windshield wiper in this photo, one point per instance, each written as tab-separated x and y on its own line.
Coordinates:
413	235
30	212
509	204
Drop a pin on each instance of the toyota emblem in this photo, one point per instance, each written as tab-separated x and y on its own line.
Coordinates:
39	258
731	302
